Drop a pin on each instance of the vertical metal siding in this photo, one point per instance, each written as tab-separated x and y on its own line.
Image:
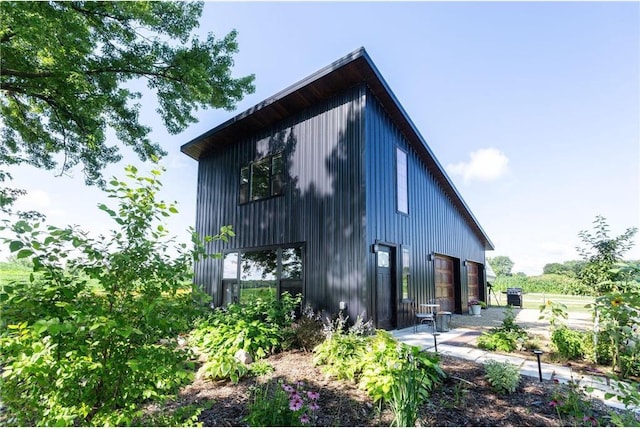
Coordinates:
433	223
323	204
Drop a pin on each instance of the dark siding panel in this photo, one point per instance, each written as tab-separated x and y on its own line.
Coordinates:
433	223
323	205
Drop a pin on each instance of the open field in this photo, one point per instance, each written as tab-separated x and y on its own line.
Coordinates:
10	272
535	300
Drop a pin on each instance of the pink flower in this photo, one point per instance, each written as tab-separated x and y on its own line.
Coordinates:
295	404
314	407
591	419
295	396
553	403
288	388
304	418
313	395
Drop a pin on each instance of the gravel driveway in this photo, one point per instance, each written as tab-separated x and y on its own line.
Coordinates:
527	318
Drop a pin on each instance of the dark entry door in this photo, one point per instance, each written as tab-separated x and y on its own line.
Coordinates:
385	288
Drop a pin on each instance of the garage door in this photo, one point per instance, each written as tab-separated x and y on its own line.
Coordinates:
445	295
473	280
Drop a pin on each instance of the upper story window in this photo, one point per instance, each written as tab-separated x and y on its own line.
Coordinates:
262	179
402	185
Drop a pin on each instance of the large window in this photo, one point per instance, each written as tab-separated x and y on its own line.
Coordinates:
262	179
402	186
262	273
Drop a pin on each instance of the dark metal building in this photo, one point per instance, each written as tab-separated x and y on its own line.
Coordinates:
333	193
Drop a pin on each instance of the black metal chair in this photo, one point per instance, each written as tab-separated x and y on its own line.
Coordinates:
425	317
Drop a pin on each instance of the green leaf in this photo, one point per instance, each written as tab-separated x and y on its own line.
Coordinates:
54	328
14	246
24	253
39	327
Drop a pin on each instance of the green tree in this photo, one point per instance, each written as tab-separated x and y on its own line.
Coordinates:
501	265
601	252
65	67
554	268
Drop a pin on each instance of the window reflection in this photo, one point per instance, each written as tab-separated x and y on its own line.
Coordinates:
230	285
406	272
260	179
262	274
258	275
292	263
402	186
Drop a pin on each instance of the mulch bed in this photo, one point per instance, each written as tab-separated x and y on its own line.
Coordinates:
464	398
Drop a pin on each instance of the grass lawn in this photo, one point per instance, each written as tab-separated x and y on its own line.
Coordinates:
535	300
10	272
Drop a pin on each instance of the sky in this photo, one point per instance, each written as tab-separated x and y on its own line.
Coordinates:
533	108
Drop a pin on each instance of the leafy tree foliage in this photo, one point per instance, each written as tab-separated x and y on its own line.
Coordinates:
65	67
501	265
601	252
567	268
92	334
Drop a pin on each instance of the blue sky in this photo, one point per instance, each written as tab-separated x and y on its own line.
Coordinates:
532	108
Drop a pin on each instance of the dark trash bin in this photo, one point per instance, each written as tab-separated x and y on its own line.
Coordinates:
442	321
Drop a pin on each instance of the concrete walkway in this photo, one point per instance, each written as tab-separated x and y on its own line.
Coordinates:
460	343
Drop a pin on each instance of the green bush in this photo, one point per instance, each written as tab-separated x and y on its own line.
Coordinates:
505	338
340	355
602	352
385	362
223	366
503	341
569	343
92	334
261	329
391	372
503	376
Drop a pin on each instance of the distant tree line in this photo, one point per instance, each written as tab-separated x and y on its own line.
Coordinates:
597	273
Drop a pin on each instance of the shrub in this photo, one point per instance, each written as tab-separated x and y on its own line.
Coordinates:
389	371
600	352
261	328
506	337
91	335
385	361
341	355
569	343
308	330
260	368
223	366
618	315
503	376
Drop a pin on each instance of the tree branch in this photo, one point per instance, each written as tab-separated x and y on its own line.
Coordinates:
116	70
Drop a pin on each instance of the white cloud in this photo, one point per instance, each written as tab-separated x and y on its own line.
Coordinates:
485	165
38	200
